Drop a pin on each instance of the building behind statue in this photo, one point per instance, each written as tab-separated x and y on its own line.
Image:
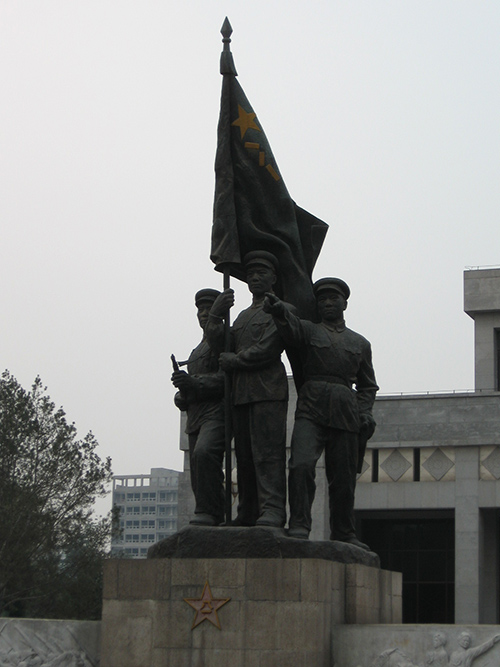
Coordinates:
429	496
148	510
428	499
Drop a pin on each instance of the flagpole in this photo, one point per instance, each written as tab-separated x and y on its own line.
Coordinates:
227	68
227	413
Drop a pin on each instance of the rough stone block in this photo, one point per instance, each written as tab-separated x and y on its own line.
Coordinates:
110	579
171	657
143	580
188	571
172	625
315	580
397	608
301	625
397	584
121	609
285	659
222	658
362	594
273	579
226	578
338	576
128	641
260	625
385	597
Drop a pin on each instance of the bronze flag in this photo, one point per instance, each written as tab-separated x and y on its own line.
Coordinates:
252	207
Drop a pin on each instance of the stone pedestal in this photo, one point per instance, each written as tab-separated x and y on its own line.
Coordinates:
279	611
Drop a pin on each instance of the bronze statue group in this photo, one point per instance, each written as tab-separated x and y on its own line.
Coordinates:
336	392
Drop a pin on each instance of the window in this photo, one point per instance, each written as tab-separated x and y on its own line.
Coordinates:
167	496
423	549
132	551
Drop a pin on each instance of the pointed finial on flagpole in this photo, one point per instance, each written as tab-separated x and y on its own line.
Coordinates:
226	57
226	31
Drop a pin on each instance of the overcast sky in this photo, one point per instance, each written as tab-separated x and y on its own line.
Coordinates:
383	117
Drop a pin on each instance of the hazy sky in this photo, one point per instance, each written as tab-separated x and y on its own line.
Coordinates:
383	117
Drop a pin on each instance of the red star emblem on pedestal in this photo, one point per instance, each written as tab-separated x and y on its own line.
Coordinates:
206	607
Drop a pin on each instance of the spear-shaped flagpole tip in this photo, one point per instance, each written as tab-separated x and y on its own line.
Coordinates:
226	31
226	57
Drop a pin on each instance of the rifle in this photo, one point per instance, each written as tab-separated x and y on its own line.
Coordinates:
175	365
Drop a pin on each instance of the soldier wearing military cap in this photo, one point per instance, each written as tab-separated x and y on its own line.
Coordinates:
201	393
334	407
259	396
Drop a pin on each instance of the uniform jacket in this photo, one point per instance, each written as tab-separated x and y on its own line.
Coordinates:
340	384
206	401
259	374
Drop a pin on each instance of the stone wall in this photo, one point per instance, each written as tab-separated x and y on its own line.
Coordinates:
271	612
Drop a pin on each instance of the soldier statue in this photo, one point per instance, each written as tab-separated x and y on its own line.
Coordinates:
201	394
334	407
259	396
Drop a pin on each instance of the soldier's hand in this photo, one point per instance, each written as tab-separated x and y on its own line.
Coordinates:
182	381
227	361
223	303
368	425
273	305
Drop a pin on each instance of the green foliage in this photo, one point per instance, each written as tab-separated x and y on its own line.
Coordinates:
51	546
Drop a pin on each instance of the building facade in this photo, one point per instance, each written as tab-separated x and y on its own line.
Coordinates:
428	497
148	510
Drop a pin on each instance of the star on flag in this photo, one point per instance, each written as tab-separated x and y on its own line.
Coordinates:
245	121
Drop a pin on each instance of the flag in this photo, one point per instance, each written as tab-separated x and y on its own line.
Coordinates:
252	207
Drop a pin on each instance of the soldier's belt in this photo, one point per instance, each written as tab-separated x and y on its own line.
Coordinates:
333	379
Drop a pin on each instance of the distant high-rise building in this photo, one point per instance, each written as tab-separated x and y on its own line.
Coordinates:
148	510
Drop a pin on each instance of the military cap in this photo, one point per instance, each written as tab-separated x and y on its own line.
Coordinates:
335	284
262	257
206	294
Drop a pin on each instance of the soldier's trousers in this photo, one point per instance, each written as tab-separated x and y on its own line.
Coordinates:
309	440
206	452
260	445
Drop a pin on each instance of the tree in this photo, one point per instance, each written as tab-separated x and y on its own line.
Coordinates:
51	546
